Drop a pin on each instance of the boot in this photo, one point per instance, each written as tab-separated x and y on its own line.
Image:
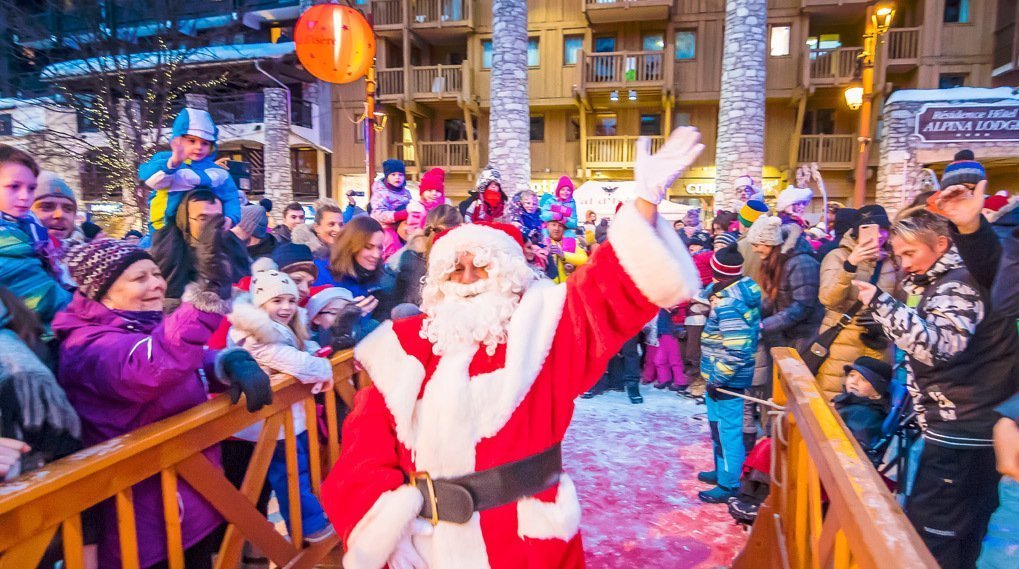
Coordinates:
717	495
708	477
633	391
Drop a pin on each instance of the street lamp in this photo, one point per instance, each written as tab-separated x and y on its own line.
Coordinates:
882	18
862	96
854	97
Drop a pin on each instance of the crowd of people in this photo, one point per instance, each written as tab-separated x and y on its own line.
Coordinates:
101	336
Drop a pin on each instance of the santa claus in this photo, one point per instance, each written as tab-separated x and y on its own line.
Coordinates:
451	459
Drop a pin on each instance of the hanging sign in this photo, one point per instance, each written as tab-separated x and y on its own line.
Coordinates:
968	123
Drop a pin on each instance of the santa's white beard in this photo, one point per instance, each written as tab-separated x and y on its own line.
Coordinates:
467	316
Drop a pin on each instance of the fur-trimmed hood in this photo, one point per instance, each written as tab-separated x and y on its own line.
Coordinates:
305	235
249	321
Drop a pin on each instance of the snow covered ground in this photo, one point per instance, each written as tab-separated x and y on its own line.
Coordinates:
635	468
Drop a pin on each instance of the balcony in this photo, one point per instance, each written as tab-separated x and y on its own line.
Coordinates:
615	152
833	67
625	70
426	16
451	155
428	83
611	11
902	49
830	151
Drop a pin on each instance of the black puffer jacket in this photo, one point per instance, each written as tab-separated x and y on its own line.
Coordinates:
795	313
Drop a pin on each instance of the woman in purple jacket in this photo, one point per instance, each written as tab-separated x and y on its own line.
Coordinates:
125	366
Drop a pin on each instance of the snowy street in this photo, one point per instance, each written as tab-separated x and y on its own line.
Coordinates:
635	468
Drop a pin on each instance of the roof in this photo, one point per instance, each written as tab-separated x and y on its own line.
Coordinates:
140	61
956	94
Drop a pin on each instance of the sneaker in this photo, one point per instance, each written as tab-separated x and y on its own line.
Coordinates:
321	535
717	495
708	477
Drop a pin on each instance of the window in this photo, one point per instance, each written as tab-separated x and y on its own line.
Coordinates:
573	128
6	125
533	56
654	41
819	121
951	80
779	42
824	41
651	125
605	125
571	49
538	129
359	133
686	44
486	54
956	11
604	44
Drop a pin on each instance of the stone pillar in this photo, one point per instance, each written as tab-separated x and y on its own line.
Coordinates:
196	101
740	146
509	139
898	173
279	185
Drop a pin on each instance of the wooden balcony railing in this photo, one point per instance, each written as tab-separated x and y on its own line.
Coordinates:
445	154
437	80
902	45
390	82
603	11
831	151
38	505
834	66
405	151
441	12
615	151
624	68
813	454
387	12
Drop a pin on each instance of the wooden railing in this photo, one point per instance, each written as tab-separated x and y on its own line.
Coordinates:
834	66
624	67
828	150
903	45
38	505
390	82
615	151
445	154
437	79
387	12
441	11
405	151
813	455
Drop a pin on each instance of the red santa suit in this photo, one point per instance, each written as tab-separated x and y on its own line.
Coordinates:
458	414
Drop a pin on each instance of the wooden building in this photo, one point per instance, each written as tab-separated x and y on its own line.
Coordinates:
606	71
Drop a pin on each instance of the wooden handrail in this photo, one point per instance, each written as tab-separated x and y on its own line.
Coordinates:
623	67
902	44
616	151
38	503
830	149
860	524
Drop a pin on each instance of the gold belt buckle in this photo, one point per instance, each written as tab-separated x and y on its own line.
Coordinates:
415	476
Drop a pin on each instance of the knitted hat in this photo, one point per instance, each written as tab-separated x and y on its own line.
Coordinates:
49	185
873	214
877	372
393	165
267	285
793	195
725	239
995	202
750	211
322	299
266	203
90	230
702	238
964	154
433	179
767	230
134	233
963	172
195	122
254	220
845	220
96	265
727	263
293	257
488	175
564	182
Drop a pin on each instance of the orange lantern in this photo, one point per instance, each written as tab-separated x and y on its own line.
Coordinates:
334	43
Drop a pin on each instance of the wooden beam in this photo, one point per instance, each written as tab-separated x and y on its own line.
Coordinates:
28	553
171	514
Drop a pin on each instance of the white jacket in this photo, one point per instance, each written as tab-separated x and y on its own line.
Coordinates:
274	347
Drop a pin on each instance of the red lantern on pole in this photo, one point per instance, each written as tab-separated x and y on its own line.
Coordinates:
334	43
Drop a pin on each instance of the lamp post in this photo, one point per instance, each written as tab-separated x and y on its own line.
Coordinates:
879	19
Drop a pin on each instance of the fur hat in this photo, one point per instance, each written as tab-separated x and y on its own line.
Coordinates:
393	165
727	263
267	285
49	185
433	179
767	230
750	211
320	300
488	175
96	265
793	195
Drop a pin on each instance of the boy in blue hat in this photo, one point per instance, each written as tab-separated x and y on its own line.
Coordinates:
188	165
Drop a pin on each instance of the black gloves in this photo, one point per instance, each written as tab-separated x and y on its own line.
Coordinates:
213	268
343	329
243	375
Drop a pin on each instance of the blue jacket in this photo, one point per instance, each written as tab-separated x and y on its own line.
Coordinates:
23	271
729	339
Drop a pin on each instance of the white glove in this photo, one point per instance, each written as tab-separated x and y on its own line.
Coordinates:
656	173
406	556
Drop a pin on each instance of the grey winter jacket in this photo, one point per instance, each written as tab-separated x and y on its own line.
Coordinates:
795	312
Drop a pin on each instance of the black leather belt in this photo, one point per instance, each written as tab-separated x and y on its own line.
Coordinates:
456	499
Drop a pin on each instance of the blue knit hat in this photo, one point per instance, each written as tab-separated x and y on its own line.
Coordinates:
195	122
393	165
292	257
963	172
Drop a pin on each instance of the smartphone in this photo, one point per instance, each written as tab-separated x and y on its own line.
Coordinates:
355	194
868	232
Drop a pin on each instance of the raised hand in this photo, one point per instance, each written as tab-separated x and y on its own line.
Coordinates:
864	252
655	173
177	156
962	206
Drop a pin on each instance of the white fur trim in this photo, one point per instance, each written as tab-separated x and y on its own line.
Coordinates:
654	257
455	546
249	320
793	195
204	300
550	520
468	237
375	537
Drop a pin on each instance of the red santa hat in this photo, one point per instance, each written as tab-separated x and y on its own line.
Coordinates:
503	236
433	179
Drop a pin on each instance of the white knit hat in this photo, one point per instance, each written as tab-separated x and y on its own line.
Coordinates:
792	195
767	230
267	285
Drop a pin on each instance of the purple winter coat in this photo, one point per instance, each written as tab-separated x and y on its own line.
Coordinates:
124	370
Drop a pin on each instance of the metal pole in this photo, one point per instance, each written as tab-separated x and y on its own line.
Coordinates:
369	119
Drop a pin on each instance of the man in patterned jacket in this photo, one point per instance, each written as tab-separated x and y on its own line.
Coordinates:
961	355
